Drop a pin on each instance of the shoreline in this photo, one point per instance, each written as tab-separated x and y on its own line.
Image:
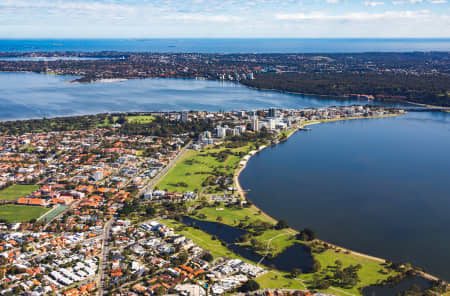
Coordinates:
339	97
347	97
242	192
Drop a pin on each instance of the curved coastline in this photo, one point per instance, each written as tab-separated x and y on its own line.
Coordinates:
303	125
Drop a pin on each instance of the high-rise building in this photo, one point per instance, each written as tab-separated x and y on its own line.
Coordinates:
184	116
255	124
272	112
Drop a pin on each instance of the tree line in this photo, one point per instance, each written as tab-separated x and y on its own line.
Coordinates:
424	89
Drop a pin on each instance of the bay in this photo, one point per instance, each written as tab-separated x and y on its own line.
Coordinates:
377	186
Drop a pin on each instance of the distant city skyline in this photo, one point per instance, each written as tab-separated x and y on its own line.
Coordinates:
224	19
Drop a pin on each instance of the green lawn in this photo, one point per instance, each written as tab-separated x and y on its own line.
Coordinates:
279	280
369	273
15	191
195	167
141	119
232	216
18	213
287	133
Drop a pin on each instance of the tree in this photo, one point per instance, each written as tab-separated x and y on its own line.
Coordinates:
250	285
316	266
150	211
207	257
296	272
307	235
281	224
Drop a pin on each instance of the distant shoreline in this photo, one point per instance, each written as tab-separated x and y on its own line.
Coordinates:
83	79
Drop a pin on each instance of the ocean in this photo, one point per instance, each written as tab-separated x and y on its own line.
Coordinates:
228	45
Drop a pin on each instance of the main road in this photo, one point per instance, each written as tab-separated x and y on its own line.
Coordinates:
164	171
103	264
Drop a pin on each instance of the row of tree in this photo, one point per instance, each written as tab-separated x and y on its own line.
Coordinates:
425	89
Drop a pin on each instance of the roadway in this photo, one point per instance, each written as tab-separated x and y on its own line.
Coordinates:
164	171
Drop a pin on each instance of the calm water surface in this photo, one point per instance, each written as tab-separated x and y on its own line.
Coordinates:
30	95
296	256
379	186
259	45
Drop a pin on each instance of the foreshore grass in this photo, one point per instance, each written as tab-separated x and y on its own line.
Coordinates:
18	213
232	216
371	272
14	192
279	280
195	167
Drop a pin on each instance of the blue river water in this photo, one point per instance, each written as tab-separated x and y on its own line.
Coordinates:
30	95
229	45
378	186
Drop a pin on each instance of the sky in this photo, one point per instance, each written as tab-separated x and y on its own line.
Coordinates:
224	18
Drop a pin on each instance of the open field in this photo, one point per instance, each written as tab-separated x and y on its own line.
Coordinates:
279	280
369	274
18	213
141	119
196	166
232	216
15	191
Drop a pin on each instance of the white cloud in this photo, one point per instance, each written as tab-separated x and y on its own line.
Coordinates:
415	1
333	1
202	18
65	5
373	3
398	2
356	16
438	1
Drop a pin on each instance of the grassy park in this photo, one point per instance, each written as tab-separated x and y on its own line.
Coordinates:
17	213
141	119
15	191
196	166
368	274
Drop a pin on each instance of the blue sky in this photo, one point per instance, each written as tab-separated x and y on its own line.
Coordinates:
223	18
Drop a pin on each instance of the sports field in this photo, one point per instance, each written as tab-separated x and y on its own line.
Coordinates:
15	191
18	213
